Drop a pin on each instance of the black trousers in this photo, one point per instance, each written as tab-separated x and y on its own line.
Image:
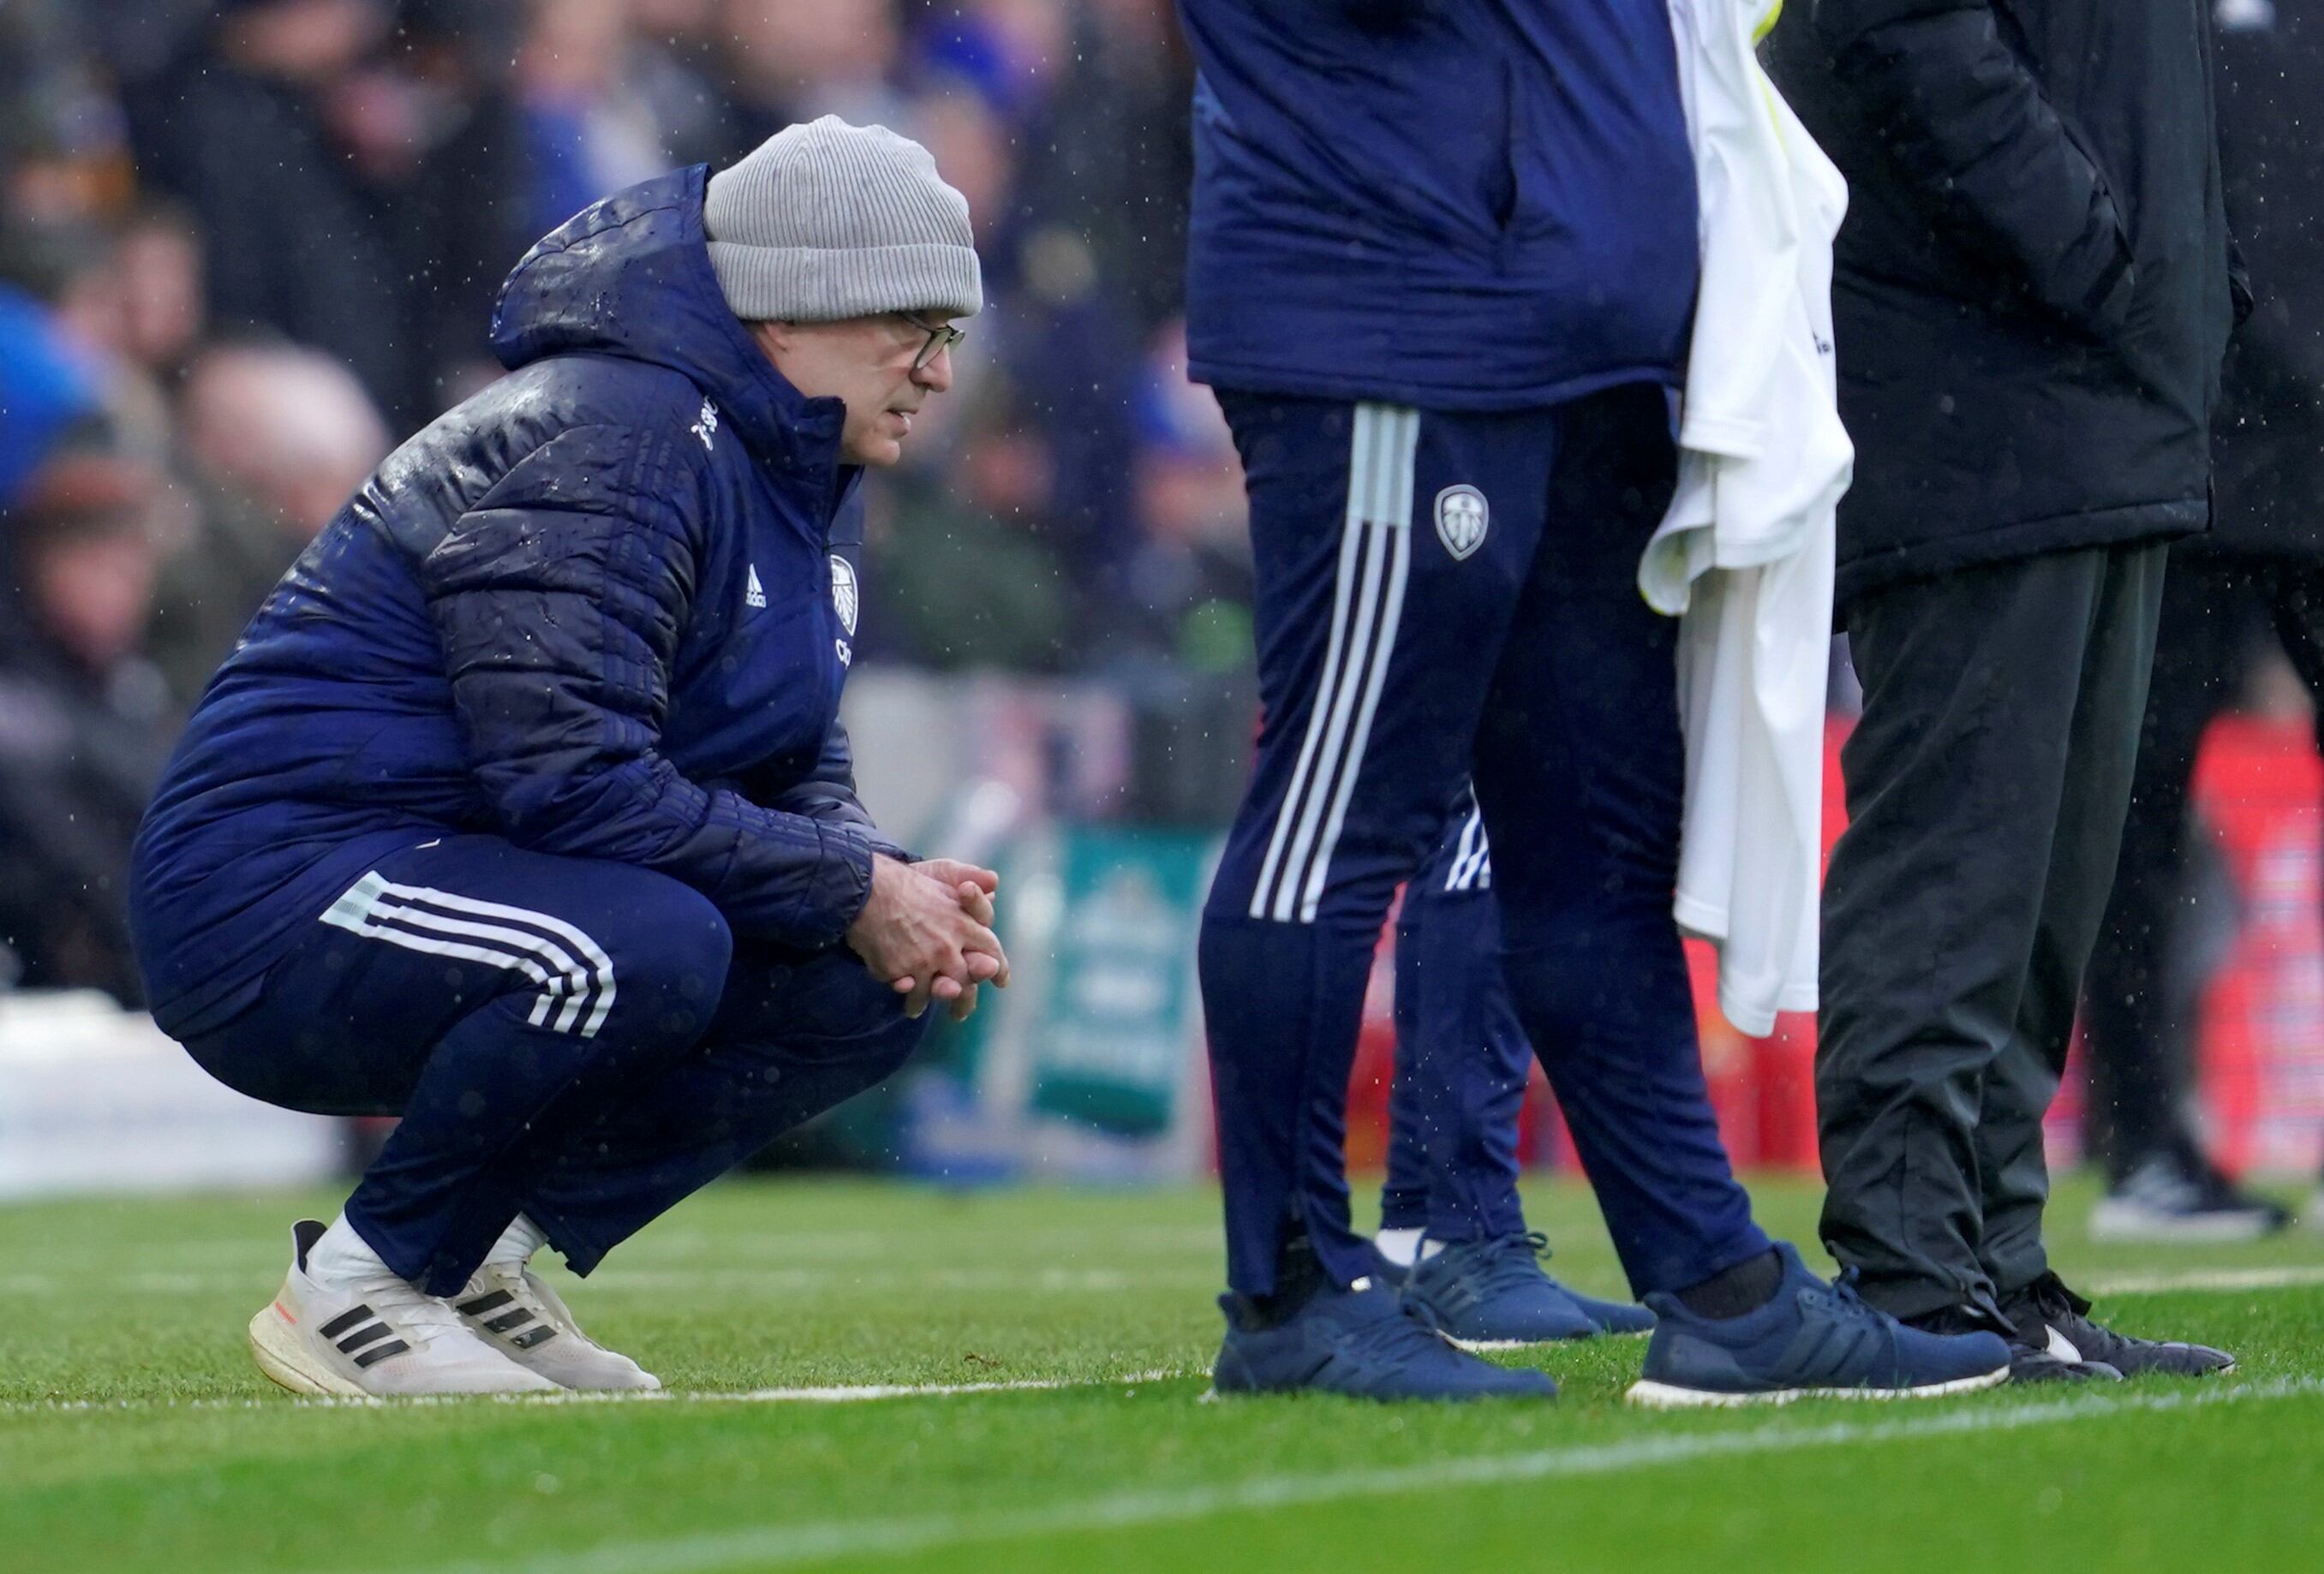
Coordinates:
1986	785
2137	1023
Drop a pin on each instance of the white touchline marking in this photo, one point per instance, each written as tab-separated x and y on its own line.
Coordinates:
845	1393
767	1546
1051	1280
856	1394
2210	1279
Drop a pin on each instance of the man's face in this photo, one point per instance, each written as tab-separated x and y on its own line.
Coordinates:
308	40
865	362
95	592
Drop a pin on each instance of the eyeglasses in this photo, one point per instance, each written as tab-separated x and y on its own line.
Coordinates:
942	336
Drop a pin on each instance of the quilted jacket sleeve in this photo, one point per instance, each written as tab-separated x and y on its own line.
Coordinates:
560	599
826	794
1968	123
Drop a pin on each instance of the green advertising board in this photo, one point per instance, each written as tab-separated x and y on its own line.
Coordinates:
1115	1035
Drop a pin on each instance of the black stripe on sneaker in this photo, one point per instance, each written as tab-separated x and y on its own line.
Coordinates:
533	1336
380	1352
362	1336
484	1304
344	1321
509	1320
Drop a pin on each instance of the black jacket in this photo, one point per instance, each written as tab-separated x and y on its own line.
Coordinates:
2031	290
80	751
2269	438
294	242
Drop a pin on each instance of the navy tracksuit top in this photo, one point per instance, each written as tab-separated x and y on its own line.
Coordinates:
1455	205
601	609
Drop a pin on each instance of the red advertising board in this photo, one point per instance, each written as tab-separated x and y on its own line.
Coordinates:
2260	1050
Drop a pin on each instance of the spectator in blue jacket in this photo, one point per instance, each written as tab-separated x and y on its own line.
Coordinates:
522	810
46	389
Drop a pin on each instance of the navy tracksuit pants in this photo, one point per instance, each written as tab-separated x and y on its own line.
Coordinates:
1444	596
1461	1059
582	1042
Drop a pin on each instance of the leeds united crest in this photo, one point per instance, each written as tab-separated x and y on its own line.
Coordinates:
1462	518
843	592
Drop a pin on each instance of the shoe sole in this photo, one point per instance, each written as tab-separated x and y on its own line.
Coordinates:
1481	1346
622	1385
1215	1394
287	1363
1654	1395
2185	1376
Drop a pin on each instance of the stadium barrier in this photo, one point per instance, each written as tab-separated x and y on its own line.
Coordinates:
93	1099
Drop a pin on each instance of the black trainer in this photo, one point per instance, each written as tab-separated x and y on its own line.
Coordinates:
2049	1312
2039	1362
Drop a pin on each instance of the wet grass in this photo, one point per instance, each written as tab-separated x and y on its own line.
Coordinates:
135	1435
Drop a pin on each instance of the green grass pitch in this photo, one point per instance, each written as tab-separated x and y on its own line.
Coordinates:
135	1434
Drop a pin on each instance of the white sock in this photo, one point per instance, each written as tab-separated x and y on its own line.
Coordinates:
1400	1245
517	1243
341	1260
1429	1248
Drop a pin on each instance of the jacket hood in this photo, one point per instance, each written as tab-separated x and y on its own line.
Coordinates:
631	276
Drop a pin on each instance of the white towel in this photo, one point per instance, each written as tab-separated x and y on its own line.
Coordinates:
1745	555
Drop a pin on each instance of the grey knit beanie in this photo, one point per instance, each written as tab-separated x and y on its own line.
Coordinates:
829	220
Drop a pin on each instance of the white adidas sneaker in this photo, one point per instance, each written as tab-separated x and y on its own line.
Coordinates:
526	1320
381	1337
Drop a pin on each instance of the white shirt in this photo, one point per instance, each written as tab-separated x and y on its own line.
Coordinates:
1745	555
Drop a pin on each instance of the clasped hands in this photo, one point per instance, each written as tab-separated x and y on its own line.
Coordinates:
927	928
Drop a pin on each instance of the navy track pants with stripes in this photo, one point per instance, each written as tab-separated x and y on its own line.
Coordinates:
1449	596
1461	1057
582	1042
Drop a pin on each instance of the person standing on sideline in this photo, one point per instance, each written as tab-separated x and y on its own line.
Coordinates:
523	811
1441	270
2030	297
1452	1228
2262	565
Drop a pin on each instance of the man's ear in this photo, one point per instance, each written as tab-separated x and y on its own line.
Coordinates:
775	338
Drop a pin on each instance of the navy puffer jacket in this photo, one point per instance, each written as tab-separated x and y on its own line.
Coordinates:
604	608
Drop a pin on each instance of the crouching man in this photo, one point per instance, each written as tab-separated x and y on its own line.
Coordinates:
522	810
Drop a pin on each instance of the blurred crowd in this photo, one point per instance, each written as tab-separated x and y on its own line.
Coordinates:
247	246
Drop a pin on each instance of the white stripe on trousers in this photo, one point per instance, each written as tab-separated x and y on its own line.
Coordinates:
1473	861
1368	603
570	975
373	904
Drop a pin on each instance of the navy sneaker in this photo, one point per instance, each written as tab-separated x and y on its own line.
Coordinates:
1362	1342
1618	1317
1811	1340
1492	1294
2048	1312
